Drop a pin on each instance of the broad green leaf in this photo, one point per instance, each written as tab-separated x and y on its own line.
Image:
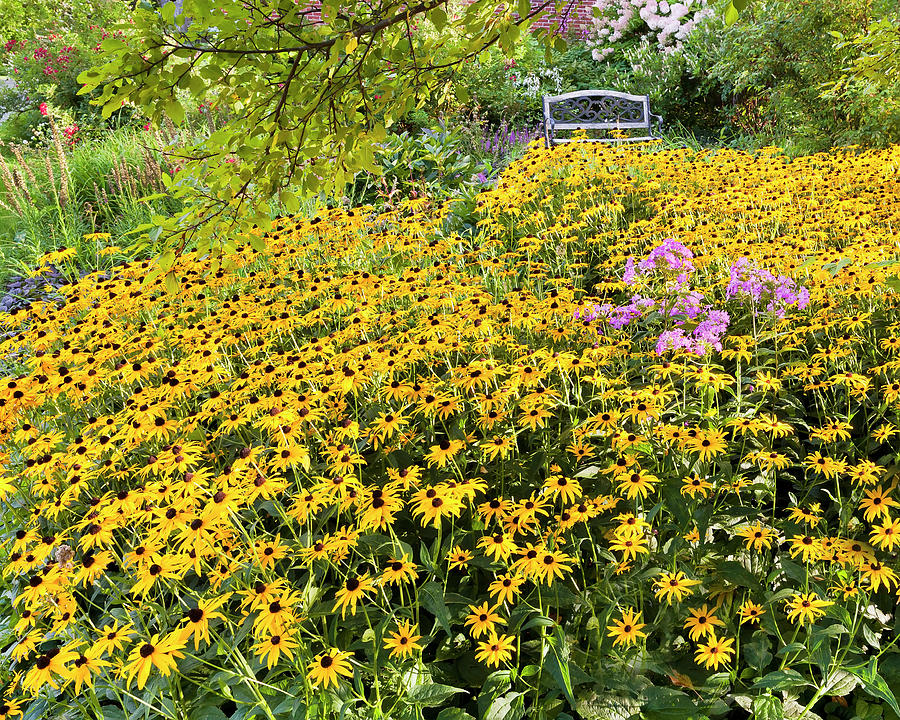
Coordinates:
431	597
663	703
438	18
432	694
172	283
556	660
111	45
290	201
509	707
731	15
757	652
780	680
874	684
208	713
452	713
737	574
767	707
257	243
166	260
175	111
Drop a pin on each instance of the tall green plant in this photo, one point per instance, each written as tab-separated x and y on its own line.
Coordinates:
54	197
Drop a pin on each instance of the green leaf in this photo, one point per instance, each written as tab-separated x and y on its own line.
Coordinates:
675	503
166	260
538	621
731	15
257	243
793	570
841	683
172	283
431	597
780	680
111	45
175	111
874	684
494	686
662	703
556	660
509	707
737	574
112	712
767	707
290	201
208	713
432	694
438	18
757	652
153	196
453	713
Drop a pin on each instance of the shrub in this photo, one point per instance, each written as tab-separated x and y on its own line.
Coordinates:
781	58
45	58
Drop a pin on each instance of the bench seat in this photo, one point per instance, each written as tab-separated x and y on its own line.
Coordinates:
598	110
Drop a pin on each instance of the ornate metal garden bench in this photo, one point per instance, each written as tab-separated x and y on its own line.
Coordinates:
598	110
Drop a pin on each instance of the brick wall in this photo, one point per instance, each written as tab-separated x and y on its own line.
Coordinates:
574	18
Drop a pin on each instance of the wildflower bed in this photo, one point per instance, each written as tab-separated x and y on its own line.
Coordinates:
616	437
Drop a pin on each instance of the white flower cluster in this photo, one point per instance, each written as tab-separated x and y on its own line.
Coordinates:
670	22
539	82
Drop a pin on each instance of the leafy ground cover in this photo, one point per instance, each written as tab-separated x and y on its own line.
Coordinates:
617	436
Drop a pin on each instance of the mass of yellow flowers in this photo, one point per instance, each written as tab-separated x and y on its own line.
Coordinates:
465	436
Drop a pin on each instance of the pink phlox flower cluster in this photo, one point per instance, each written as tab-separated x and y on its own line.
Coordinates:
667	259
698	326
619	317
707	334
590	313
709	325
690	305
776	293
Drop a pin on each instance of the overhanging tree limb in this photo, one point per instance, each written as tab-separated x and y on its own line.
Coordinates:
307	103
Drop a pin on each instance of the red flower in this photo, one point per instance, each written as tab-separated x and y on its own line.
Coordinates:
43	108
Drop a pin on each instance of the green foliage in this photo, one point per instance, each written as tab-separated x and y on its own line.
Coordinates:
786	66
679	83
501	88
432	164
878	48
27	19
309	101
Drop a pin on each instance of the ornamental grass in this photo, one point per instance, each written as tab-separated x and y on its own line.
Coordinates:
621	432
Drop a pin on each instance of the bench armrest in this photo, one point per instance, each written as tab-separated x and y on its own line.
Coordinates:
659	123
